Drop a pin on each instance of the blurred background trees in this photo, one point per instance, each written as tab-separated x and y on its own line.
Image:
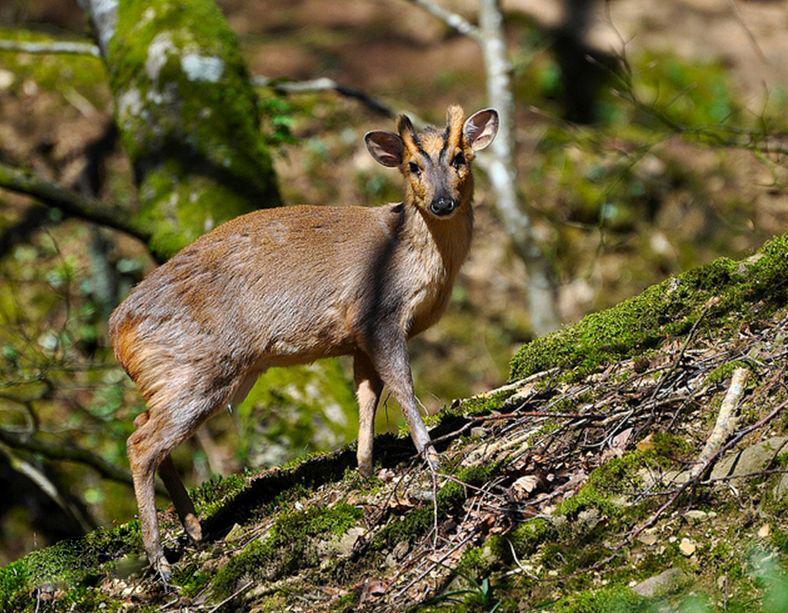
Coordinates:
649	137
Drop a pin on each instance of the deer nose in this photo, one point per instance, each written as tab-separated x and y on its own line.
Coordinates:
443	206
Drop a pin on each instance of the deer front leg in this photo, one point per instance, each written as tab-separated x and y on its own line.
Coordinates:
391	360
368	389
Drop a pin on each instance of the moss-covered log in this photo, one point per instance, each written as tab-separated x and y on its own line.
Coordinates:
187	113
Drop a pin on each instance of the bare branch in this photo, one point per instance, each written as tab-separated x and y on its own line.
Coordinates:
48	487
726	421
502	171
53	195
70	453
51	47
323	84
450	18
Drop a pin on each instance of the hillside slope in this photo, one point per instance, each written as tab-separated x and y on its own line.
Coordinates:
634	460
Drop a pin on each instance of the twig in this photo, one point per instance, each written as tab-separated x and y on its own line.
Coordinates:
50	47
519	414
323	84
72	204
450	18
241	589
753	41
68	453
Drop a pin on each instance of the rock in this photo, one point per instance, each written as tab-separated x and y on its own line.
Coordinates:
589	518
234	534
752	460
687	547
695	515
346	544
764	531
647	539
130	564
780	490
661	584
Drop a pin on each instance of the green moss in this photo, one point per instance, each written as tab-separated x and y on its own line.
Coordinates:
288	546
209	496
612	599
526	538
477	563
662	311
71	562
723	372
619	477
189	127
484	403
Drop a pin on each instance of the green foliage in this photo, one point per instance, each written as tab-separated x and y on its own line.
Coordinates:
294	411
664	310
693	94
84	74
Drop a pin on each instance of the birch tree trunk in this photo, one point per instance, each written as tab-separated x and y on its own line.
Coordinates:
502	171
187	113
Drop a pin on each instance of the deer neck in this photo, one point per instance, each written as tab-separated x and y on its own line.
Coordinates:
440	246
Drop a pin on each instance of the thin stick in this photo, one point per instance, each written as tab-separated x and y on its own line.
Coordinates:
726	421
50	47
451	19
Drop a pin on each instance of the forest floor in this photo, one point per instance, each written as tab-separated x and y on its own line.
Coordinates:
636	460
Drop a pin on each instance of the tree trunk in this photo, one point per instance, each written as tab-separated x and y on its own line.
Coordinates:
187	114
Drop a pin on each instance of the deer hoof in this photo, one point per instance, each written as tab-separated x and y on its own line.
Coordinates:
432	458
163	570
192	526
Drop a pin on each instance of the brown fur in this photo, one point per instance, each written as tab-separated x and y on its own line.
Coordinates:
286	286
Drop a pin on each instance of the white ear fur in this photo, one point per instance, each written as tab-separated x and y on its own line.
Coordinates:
385	147
480	128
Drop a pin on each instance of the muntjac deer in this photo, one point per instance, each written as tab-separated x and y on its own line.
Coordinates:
293	284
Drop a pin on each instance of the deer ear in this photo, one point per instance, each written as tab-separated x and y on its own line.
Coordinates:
480	129
385	147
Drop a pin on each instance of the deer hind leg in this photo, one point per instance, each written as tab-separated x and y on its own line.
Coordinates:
148	447
183	504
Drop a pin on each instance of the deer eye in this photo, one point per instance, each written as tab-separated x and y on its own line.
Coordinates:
459	160
415	168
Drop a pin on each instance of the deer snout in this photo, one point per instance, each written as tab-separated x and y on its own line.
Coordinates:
443	206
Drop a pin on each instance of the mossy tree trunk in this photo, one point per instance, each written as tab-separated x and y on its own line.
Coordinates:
187	114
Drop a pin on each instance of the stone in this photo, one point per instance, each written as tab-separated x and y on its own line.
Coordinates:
696	515
647	539
764	531
661	584
235	533
780	490
752	460
589	518
687	547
